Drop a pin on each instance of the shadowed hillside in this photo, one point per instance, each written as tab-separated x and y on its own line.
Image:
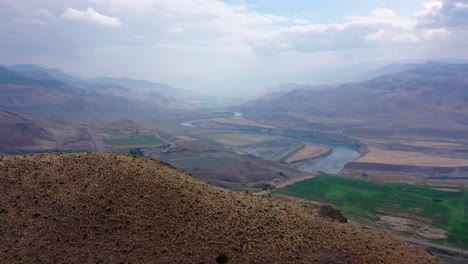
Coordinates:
428	101
111	208
19	131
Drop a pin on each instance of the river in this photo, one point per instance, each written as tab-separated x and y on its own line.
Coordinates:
331	164
334	162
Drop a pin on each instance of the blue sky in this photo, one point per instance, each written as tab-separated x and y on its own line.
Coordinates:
317	11
229	47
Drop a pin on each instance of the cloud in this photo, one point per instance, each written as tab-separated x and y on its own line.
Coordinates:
391	36
382	25
91	16
199	20
447	13
190	43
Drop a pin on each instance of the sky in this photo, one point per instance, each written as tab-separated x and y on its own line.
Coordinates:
230	47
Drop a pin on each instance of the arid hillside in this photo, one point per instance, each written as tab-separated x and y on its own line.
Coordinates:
53	99
18	131
423	102
25	134
83	208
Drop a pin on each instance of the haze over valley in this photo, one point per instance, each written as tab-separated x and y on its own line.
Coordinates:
267	132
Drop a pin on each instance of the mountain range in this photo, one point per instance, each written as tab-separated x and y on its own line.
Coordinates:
430	100
51	93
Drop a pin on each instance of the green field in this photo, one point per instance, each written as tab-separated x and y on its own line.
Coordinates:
365	201
134	141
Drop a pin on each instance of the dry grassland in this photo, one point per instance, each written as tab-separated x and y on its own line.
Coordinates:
107	208
377	155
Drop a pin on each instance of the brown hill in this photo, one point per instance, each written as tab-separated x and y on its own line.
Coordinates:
17	131
429	101
82	208
20	133
49	98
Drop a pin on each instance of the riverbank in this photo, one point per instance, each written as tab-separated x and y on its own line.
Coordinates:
342	149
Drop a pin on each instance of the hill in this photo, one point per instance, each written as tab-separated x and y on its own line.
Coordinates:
51	93
10	77
20	131
429	101
26	69
146	91
398	67
24	134
144	85
50	98
119	208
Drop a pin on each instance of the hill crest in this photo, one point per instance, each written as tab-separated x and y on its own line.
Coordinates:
101	207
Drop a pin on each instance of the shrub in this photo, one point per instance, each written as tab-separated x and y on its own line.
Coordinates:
222	258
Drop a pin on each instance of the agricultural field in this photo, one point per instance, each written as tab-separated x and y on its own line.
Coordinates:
134	141
413	158
125	144
232	122
236	139
435	214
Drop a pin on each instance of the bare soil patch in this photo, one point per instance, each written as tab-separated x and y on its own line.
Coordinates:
377	155
447	189
431	144
408	215
185	138
431	233
310	151
401	224
396	223
280	183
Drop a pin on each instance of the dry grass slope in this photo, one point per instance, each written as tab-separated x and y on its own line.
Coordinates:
83	208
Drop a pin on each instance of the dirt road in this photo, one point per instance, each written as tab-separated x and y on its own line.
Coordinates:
97	144
432	245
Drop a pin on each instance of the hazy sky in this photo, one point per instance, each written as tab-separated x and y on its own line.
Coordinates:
227	45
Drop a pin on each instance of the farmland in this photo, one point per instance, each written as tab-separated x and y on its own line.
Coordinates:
398	157
433	214
134	140
236	139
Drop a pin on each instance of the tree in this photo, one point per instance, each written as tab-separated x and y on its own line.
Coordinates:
136	152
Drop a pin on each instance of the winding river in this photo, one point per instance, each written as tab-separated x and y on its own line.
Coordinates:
335	161
331	164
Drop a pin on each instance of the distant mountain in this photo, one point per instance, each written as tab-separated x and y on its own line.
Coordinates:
123	86
51	72
55	99
141	89
398	67
10	77
122	82
279	90
432	96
